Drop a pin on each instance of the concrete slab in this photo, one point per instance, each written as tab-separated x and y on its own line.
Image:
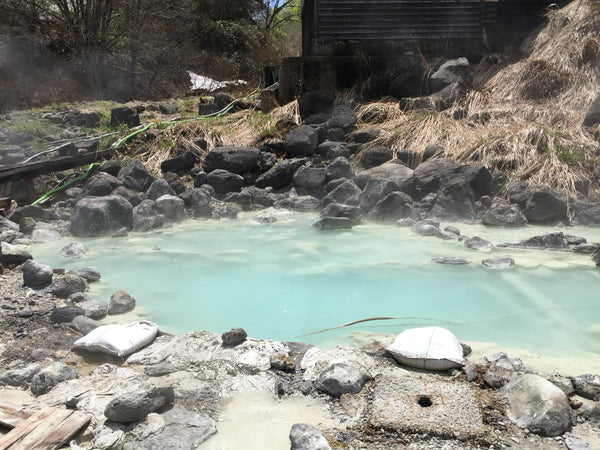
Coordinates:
412	405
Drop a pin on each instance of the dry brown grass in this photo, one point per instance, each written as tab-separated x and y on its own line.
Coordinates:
526	119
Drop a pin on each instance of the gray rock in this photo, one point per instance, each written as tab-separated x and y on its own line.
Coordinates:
375	156
427	175
426	228
545	205
171	207
135	176
338	210
42	235
50	376
564	384
157	189
102	184
225	211
87	273
36	212
311	103
65	314
393	207
84	324
450	72
586	214
251	198
180	164
499	263
364	136
234	337
36	274
183	430
20	377
133	198
309	177
77	297
301	203
122	232
574	443
69	284
478	243
121	302
398	173
111	167
124	115
451	260
301	141
347	193
587	386
238	160
374	191
538	405
343	117
136	405
13	254
548	241
224	181
198	201
74	250
341	378
281	174
160	369
502	214
94	309
101	216
306	437
146	217
339	168
333	223
454	201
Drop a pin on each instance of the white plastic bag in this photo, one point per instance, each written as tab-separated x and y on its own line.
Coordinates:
118	340
430	348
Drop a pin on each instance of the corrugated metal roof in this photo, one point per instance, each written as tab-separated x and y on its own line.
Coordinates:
398	19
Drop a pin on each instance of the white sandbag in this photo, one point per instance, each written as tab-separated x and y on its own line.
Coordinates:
118	340
430	348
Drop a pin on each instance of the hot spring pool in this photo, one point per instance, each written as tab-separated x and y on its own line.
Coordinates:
284	280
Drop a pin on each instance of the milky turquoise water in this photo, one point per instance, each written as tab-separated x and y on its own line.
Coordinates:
285	279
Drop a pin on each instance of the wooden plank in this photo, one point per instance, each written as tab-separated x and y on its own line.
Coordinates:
24	428
11	415
63	432
31	170
36	436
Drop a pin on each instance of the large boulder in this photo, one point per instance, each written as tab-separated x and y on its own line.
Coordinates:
74	250
224	181
146	217
251	198
309	177
135	176
478	177
346	193
394	206
101	216
13	254
450	72
343	117
301	141
428	174
339	168
102	184
375	156
280	174
555	240
171	207
304	436
336	216
396	172
120	303
50	376
587	386
135	405
237	160
20	377
375	190
455	201
36	274
586	214
180	164
503	214
69	284
198	201
538	405
545	205
157	189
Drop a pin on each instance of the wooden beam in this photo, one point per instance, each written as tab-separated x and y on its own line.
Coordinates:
11	415
35	169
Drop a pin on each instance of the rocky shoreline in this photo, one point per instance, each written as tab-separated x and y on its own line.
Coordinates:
174	392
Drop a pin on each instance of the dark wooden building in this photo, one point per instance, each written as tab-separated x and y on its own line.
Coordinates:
345	41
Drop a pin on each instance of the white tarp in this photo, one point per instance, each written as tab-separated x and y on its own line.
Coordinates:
200	82
430	348
118	340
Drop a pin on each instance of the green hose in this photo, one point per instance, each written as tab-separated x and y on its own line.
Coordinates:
90	170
